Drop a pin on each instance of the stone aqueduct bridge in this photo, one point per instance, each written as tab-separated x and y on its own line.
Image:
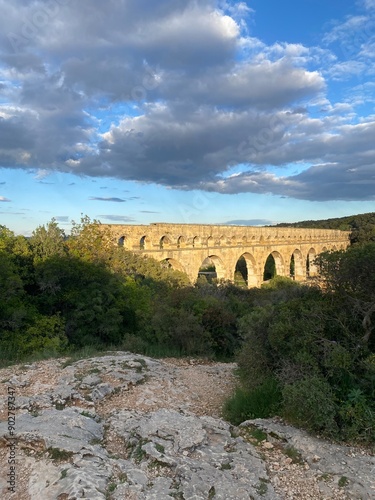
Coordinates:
186	246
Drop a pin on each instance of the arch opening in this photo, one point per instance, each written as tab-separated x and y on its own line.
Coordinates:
122	241
181	242
296	270
207	271
196	241
240	273
165	242
311	269
245	271
211	269
292	267
143	243
274	266
173	264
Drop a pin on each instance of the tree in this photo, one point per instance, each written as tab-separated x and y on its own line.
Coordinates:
12	296
6	239
90	298
47	241
146	270
349	276
91	241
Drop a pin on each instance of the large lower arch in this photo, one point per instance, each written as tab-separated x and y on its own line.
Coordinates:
311	269
173	264
247	270
212	265
297	270
273	266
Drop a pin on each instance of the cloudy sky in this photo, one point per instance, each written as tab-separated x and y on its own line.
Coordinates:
195	111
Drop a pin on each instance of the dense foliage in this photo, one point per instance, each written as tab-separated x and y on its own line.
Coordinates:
60	294
362	226
306	353
309	352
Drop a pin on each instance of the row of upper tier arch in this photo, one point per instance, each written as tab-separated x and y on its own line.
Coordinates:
167	241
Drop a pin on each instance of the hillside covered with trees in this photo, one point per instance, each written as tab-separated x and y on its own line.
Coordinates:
306	353
362	226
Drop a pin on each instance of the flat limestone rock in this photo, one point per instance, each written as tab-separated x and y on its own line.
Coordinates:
68	430
355	471
125	426
199	453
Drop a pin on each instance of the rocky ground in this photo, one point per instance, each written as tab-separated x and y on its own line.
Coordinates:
124	426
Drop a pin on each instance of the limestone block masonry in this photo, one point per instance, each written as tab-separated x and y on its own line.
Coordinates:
186	246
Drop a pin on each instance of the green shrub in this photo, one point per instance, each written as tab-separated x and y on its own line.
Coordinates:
254	359
357	417
133	343
262	402
279	282
179	329
43	337
220	324
310	403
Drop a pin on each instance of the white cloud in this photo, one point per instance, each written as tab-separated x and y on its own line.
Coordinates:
369	4
42	174
347	29
346	70
178	93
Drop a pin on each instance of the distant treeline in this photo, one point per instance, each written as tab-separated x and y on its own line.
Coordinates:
361	226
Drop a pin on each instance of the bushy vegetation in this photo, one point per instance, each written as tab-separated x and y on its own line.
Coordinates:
317	345
61	294
306	353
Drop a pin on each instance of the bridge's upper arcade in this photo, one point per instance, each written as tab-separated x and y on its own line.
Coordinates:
159	236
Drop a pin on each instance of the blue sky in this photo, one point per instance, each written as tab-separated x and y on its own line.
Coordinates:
204	111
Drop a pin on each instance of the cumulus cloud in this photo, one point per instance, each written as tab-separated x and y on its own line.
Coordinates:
187	95
3	198
263	84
